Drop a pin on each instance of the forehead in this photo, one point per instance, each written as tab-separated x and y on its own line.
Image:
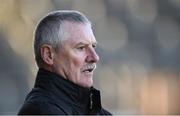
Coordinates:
78	32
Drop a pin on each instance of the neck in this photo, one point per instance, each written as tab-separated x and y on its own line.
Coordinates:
53	70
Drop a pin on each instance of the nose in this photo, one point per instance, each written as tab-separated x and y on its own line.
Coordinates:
92	56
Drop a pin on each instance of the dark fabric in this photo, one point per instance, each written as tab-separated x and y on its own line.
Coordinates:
52	94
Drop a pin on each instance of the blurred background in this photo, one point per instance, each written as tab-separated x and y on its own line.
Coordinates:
139	44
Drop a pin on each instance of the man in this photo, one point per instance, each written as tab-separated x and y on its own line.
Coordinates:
65	54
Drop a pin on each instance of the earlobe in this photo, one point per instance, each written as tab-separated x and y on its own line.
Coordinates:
47	54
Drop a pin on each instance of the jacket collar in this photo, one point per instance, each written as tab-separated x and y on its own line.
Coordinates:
56	84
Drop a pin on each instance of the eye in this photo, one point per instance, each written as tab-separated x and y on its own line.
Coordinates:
81	48
94	45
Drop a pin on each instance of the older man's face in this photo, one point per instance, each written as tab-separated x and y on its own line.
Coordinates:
76	59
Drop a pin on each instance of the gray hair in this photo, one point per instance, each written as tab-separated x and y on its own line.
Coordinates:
50	29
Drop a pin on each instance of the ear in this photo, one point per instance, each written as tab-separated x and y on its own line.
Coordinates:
47	54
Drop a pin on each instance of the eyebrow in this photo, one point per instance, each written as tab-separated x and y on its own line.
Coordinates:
84	43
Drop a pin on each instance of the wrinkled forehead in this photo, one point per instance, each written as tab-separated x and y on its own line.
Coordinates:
78	32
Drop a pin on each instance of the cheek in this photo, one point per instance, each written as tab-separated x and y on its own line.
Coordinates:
77	62
74	61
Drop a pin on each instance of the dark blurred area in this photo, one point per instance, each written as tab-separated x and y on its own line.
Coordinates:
138	45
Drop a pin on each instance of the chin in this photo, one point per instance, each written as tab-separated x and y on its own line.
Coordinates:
88	83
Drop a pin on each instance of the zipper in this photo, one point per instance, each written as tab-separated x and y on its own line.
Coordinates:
91	101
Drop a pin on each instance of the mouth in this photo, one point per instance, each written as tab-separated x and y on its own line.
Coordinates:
89	68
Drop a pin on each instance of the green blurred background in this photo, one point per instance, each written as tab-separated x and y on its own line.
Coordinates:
139	44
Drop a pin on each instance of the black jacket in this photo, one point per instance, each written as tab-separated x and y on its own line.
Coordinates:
53	94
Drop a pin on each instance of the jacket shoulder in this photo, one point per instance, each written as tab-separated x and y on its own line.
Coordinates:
39	101
32	108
